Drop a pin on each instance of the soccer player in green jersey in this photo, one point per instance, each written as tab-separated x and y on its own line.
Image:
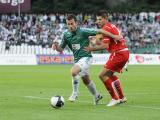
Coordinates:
77	39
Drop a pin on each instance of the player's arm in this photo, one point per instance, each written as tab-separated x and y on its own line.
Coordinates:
92	32
95	40
108	34
56	46
98	47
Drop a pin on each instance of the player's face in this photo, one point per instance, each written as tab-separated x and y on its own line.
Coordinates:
72	25
100	21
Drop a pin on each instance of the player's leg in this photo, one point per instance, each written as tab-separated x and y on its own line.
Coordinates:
85	63
106	76
79	68
116	63
75	82
118	87
92	89
120	60
90	85
112	82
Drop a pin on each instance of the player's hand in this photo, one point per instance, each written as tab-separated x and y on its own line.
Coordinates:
118	37
96	40
92	38
54	45
99	36
88	49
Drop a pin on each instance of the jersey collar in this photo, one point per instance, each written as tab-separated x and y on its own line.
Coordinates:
74	33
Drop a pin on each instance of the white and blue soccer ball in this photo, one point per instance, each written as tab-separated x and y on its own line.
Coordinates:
57	101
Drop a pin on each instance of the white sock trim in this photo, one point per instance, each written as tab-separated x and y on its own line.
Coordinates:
113	86
75	84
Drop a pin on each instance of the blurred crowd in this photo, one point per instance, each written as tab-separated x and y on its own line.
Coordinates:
140	30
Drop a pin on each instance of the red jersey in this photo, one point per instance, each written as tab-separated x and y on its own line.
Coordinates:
113	45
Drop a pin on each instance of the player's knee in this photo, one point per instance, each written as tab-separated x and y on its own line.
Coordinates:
74	73
109	73
101	76
86	80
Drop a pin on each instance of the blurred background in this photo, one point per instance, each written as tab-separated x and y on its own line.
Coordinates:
30	26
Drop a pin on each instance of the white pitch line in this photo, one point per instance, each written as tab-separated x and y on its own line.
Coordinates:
125	105
44	98
138	106
34	97
142	94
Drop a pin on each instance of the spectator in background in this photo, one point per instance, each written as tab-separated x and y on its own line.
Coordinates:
132	25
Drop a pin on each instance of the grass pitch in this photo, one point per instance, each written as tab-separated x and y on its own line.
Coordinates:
25	93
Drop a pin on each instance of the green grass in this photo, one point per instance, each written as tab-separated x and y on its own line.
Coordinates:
140	84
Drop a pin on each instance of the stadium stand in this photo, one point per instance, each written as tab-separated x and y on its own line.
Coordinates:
34	34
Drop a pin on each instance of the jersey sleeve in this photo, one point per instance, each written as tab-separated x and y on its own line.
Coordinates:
63	42
115	30
89	32
112	29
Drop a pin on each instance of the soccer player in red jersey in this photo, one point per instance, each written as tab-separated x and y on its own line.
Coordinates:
119	56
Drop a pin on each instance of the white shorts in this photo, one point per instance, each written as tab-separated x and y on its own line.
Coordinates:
84	63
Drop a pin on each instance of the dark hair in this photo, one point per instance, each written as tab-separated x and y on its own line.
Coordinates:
102	13
71	16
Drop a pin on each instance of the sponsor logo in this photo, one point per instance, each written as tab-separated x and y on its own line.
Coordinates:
55	59
140	59
12	2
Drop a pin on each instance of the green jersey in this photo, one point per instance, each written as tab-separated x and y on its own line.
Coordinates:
76	41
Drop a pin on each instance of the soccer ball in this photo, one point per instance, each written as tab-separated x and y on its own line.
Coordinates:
57	101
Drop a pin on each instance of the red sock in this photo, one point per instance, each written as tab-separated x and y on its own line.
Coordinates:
118	86
108	85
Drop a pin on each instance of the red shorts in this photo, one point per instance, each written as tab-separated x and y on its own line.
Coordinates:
117	61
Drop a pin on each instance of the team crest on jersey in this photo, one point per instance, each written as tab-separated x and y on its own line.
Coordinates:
76	46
